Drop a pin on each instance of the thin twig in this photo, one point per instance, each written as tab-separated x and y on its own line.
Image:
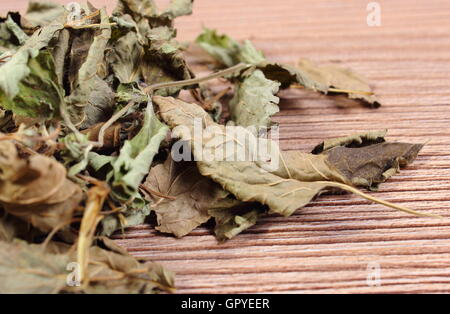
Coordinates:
150	89
153	192
335	90
212	100
376	200
88	25
3	59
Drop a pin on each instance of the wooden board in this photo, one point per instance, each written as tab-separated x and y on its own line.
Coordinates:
330	245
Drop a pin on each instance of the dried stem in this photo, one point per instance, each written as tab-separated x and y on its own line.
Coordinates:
88	25
335	90
150	89
376	200
153	192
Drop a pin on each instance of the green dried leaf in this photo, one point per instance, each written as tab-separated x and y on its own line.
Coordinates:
163	60
254	102
126	58
137	9
90	93
249	54
129	170
136	156
325	79
129	216
147	15
233	216
226	50
157	60
28	69
29	87
179	8
235	224
15	32
76	153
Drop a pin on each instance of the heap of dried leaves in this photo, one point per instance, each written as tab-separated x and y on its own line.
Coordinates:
89	108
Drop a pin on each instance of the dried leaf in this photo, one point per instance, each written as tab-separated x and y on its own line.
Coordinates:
226	50
126	58
37	93
137	9
287	75
12	35
147	14
355	140
254	101
233	216
181	196
41	13
156	59
90	92
327	78
36	190
366	159
163	60
179	8
136	156
129	169
283	187
26	268
116	273
28	69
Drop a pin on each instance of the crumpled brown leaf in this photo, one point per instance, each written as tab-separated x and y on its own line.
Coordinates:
111	138
367	159
327	77
36	189
181	196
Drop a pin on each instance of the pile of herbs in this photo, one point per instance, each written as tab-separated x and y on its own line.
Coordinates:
90	113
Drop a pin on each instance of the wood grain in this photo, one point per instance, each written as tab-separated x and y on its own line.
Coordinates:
327	246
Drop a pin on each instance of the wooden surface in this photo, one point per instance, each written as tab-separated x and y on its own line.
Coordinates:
327	246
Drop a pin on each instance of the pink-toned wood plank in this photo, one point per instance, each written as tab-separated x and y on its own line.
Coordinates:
327	246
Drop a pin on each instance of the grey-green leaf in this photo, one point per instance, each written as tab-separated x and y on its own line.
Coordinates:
136	156
254	101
